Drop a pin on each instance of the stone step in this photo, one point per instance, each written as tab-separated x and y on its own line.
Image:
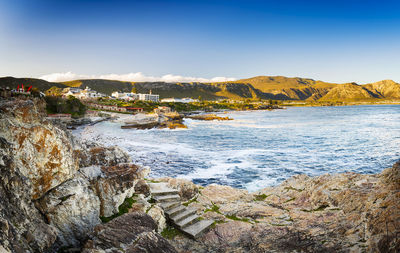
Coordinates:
164	192
176	210
180	216
158	186
169	205
188	221
197	228
167	198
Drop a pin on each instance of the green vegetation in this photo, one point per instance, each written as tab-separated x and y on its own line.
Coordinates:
287	201
122	209
260	197
234	217
214	208
293	189
170	232
190	201
70	105
318	209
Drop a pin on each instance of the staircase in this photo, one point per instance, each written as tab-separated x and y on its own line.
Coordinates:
184	218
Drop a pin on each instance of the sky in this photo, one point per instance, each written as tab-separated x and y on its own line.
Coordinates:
334	41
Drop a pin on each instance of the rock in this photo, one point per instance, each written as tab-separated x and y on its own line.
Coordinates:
42	152
73	208
90	154
42	167
115	184
345	212
158	216
187	189
142	187
132	232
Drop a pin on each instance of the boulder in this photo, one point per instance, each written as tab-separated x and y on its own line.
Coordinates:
132	232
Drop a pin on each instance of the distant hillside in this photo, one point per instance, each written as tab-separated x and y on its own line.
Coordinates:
349	91
289	87
385	88
42	85
260	87
101	85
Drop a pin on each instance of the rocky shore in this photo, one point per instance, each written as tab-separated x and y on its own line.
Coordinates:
58	194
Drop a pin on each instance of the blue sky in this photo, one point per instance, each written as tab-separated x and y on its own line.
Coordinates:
337	41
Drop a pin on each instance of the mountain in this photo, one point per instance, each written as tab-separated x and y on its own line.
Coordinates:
385	88
289	87
349	91
259	87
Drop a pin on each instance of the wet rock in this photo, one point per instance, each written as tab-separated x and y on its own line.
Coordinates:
132	232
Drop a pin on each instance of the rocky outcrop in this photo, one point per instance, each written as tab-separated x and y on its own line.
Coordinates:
53	188
330	213
133	232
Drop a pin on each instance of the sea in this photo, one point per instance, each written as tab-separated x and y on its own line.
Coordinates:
263	148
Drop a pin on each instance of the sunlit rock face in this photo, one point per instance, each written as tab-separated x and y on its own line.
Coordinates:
41	152
54	188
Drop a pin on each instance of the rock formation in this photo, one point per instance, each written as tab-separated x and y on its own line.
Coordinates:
133	232
55	192
345	212
53	188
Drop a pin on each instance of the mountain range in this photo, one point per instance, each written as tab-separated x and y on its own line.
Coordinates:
260	87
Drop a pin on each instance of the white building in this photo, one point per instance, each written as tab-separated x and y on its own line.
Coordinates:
135	96
83	94
179	100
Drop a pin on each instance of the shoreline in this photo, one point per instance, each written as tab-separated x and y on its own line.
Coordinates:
64	193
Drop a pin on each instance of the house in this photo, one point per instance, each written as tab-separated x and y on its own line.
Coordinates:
87	93
134	109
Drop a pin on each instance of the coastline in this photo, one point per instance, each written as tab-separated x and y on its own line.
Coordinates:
64	193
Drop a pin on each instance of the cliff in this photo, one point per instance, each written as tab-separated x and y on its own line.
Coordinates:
53	188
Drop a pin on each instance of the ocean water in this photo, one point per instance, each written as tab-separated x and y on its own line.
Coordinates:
262	148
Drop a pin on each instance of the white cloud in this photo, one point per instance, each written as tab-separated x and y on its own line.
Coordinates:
132	77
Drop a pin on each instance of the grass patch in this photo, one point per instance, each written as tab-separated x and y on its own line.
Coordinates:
214	208
190	201
287	201
260	197
170	232
148	209
152	181
293	189
152	201
277	225
122	209
320	208
234	217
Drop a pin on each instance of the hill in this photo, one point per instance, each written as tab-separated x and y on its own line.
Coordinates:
42	85
385	88
349	92
260	87
289	87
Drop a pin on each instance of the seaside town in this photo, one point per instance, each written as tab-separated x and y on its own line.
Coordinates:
100	107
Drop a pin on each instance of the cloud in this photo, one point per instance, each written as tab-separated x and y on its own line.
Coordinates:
132	77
